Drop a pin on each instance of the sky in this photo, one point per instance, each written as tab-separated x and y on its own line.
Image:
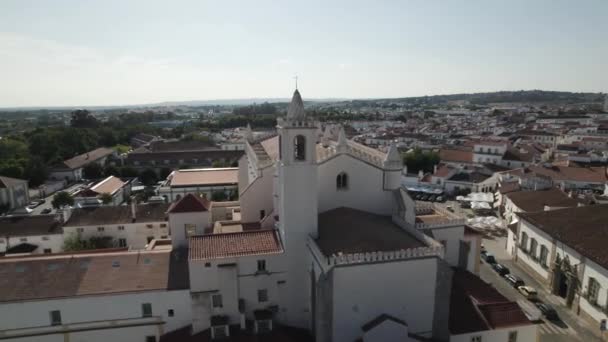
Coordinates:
119	52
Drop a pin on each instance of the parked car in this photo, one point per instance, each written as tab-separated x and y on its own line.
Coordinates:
489	258
514	280
528	292
46	211
501	269
547	310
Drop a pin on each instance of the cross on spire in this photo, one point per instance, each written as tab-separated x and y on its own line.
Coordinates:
296	78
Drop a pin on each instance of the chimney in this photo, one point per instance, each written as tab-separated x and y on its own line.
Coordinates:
133	210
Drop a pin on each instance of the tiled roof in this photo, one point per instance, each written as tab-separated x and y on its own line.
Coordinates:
584	229
477	306
51	276
346	230
230	245
29	225
85	158
189	203
455	156
211	176
531	201
8	182
99	216
108	186
565	173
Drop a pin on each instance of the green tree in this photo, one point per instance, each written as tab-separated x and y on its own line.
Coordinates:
148	177
128	172
106	198
92	171
218	196
73	243
62	199
418	160
111	170
82	118
165	172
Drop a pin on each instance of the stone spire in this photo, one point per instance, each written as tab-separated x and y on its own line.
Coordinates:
248	133
342	143
393	158
326	136
295	111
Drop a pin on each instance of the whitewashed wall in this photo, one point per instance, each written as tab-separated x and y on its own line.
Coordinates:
178	221
258	196
526	333
78	310
52	241
403	289
593	270
365	186
136	234
542	239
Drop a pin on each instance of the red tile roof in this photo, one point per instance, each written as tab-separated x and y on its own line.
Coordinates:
189	203
229	245
457	156
477	306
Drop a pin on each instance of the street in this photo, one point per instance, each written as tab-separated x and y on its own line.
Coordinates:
569	327
47	204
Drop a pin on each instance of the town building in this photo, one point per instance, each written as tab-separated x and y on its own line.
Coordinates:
14	193
71	169
30	235
533	201
199	181
565	250
117	189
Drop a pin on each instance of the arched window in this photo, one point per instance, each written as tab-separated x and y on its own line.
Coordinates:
299	147
544	252
342	181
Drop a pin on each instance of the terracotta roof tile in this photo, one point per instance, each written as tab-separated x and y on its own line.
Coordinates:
456	156
190	203
211	176
8	182
531	201
230	245
108	186
85	158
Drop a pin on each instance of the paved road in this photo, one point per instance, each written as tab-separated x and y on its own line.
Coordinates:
569	327
38	210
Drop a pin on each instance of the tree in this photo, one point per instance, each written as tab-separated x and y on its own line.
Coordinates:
148	177
106	198
111	170
419	160
82	118
73	243
218	196
62	199
165	172
128	172
92	171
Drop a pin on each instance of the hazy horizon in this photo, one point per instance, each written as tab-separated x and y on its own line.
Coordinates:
113	53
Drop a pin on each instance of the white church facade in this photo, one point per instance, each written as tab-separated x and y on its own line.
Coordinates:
327	243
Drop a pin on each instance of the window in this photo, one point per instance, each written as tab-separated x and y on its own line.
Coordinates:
121	227
150	238
150	338
261	265
533	246
544	252
512	336
163	225
342	181
146	310
207	264
100	229
524	241
216	301
190	229
79	230
122	242
299	148
170	313
219	332
23	240
262	214
593	290
475	338
262	295
55	317
45	238
150	226
47	251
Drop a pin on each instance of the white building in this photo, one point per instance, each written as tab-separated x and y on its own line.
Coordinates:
30	234
565	250
71	169
200	182
14	193
112	186
132	226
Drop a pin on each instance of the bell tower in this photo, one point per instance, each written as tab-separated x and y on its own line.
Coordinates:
298	204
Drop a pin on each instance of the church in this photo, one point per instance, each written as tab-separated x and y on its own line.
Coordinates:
324	240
